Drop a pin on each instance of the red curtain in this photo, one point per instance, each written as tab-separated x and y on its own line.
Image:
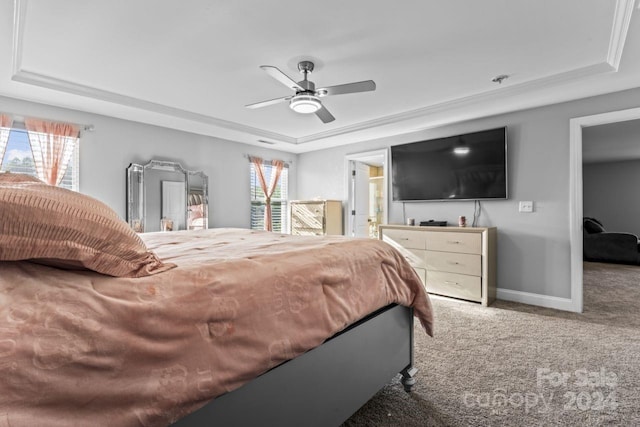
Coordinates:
268	190
52	145
5	129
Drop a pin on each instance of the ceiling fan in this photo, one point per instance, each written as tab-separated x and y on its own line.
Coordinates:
307	98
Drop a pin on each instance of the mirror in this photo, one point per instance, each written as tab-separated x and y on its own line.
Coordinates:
197	201
163	196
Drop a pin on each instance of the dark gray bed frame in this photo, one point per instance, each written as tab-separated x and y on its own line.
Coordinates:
324	386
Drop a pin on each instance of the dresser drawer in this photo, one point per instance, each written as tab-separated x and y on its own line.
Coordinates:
416	257
299	231
307	215
308	223
454	285
405	238
468	243
452	262
422	273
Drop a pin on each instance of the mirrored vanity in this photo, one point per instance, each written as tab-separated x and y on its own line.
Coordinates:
163	196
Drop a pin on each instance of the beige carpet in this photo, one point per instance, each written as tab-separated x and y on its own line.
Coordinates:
514	365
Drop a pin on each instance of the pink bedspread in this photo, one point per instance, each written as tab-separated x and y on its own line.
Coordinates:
80	348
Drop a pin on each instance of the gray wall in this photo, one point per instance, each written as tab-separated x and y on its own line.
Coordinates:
106	152
610	194
534	251
533	248
611	142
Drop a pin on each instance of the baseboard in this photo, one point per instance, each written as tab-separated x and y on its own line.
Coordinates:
558	303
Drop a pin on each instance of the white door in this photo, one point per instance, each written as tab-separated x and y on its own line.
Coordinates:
360	211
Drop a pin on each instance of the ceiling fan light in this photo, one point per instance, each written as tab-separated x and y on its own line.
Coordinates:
305	104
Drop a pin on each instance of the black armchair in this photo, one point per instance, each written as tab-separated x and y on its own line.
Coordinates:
602	246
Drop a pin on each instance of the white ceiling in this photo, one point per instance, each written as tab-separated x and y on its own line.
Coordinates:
193	64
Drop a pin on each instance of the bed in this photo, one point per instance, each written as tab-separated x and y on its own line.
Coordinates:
215	327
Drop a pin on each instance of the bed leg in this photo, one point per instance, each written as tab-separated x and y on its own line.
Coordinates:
408	380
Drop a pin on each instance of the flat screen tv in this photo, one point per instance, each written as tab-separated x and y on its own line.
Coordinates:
472	166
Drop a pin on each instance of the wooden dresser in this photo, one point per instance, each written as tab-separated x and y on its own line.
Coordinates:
316	217
458	262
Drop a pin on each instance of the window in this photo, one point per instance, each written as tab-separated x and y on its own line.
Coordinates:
18	158
279	199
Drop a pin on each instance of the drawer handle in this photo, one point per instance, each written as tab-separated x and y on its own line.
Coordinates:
453	262
453	242
403	238
448	282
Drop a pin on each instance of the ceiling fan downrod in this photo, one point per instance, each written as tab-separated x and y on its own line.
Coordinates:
306	67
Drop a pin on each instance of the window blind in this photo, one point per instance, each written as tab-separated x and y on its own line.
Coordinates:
18	158
279	200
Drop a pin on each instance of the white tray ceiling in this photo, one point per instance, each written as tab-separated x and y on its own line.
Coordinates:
193	65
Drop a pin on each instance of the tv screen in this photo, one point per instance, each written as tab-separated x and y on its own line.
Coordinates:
472	166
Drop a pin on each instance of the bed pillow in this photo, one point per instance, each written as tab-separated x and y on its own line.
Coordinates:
66	229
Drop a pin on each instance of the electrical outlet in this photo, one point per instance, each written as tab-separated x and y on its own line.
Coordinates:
526	206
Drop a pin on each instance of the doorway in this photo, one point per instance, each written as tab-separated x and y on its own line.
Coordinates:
367	187
576	208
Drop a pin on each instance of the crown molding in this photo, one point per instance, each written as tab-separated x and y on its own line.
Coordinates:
19	17
49	82
467	101
621	23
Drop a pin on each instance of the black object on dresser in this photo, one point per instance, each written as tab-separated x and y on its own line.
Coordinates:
432	223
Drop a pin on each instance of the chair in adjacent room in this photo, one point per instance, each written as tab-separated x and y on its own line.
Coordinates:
604	246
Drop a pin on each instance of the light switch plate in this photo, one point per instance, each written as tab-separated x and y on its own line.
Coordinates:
526	206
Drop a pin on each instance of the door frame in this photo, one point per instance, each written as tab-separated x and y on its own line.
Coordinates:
364	157
575	192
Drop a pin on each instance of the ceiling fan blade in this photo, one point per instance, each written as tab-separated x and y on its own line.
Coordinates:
364	86
325	115
269	102
281	77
